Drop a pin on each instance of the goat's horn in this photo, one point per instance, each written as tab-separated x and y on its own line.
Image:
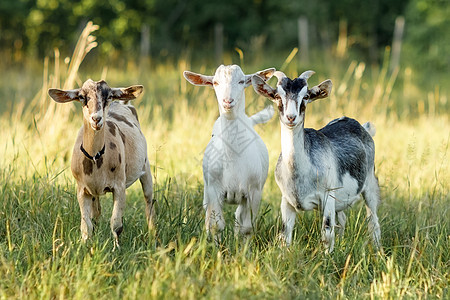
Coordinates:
280	75
305	75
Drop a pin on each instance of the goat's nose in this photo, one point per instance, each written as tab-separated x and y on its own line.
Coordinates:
96	119
290	117
228	101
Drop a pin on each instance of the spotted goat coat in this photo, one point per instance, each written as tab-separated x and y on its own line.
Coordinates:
110	152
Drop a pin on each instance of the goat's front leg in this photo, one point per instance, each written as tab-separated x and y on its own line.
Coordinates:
85	203
329	221
214	220
117	213
288	215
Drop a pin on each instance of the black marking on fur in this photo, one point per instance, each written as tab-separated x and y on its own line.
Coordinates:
327	222
118	230
122	136
133	111
112	146
111	127
353	147
120	159
120	118
87	166
292	87
99	162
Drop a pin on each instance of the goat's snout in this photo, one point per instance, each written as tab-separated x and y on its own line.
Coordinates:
97	122
290	118
228	103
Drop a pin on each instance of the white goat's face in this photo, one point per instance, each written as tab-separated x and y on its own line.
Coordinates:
95	97
292	96
229	83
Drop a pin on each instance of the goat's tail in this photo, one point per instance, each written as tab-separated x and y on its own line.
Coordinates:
370	128
263	116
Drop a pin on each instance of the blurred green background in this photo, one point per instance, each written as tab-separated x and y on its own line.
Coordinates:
167	28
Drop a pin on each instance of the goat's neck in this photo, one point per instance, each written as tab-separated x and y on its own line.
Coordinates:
93	140
293	150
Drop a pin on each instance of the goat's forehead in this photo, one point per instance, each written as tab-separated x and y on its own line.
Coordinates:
96	87
233	71
292	88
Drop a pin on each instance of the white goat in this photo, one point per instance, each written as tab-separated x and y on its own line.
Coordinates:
236	160
326	169
110	152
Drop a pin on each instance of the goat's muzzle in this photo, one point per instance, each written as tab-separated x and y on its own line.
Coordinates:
97	122
228	104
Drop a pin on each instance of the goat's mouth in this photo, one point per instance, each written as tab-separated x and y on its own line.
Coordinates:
228	106
97	126
291	125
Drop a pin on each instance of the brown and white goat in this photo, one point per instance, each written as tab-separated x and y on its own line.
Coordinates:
110	152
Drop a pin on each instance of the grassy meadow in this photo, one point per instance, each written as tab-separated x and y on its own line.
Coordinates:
42	257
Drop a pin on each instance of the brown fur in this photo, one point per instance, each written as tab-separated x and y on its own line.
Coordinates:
125	156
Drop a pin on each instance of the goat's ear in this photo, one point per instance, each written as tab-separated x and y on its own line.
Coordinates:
198	79
62	96
320	91
262	88
129	93
264	74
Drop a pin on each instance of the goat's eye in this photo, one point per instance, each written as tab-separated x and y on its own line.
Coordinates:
241	82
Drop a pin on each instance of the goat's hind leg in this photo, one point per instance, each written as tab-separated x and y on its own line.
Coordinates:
329	221
372	198
96	209
119	196
147	188
246	213
341	220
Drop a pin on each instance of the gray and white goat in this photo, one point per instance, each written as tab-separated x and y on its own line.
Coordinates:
326	169
110	152
236	160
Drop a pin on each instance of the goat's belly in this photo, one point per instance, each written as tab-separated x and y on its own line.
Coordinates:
308	202
345	201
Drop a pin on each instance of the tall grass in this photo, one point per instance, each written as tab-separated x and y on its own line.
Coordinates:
41	255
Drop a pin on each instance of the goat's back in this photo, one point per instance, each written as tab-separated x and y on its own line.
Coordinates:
353	148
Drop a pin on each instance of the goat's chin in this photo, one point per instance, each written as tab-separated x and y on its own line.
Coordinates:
97	127
291	126
228	108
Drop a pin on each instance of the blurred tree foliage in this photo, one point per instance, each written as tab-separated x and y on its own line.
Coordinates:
35	27
428	33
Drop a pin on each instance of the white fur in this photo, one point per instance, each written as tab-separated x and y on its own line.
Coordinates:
236	160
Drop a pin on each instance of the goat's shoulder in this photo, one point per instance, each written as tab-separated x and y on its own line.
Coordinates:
124	116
